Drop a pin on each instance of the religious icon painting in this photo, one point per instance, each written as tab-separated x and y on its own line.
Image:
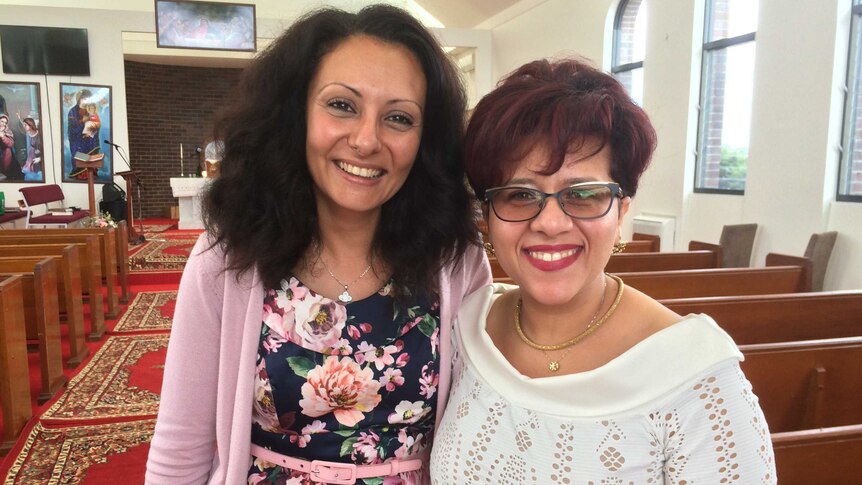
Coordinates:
206	25
86	121
21	149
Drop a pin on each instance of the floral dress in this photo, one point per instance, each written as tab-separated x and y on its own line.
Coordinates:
349	383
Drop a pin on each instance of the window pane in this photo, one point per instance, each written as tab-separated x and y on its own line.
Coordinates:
731	18
851	171
633	81
725	117
631	36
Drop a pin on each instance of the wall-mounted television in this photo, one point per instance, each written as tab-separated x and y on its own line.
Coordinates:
44	50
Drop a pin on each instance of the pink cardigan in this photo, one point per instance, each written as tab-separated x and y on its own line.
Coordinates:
203	431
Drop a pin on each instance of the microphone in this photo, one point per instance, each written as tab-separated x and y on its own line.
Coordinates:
198	150
109	143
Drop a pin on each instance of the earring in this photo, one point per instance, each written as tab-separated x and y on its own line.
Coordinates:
489	249
618	247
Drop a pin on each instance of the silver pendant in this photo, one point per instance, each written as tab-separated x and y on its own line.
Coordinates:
345	297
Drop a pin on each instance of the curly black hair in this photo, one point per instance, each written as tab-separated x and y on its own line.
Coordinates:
261	209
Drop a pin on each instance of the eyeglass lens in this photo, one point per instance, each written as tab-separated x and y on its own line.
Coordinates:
581	202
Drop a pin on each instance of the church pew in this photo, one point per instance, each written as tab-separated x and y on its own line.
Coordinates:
786	317
642	246
120	237
120	244
107	256
90	265
41	312
14	377
821	456
807	384
776	277
68	297
636	262
655	241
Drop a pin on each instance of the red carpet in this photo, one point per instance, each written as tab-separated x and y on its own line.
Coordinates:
97	430
148	311
105	389
167	253
115	453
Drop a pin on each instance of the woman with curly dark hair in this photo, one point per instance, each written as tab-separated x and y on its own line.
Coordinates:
312	328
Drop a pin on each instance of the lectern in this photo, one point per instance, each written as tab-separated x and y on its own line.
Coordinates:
131	178
90	163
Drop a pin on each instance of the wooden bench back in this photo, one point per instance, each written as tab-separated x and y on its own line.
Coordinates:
819	456
104	245
637	262
90	265
785	317
718	282
68	296
643	246
41	310
807	384
119	243
14	376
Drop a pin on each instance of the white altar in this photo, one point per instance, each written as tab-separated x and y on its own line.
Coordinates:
188	191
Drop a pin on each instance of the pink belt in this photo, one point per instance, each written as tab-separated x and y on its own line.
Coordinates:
334	472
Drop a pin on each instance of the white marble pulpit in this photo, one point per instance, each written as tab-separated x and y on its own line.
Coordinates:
188	191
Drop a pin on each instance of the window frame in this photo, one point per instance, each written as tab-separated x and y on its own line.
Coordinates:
708	47
616	67
851	98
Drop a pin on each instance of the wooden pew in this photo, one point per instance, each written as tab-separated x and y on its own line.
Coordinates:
106	249
90	264
819	456
807	384
693	259
120	245
786	317
14	377
777	277
41	312
68	296
642	246
654	241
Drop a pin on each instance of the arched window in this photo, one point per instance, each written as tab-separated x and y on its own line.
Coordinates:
850	178
726	86
629	46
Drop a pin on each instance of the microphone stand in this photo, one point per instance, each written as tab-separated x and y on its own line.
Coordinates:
138	185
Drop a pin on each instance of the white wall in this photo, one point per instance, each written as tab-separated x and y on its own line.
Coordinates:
796	117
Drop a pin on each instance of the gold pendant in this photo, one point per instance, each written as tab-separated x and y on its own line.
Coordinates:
553	366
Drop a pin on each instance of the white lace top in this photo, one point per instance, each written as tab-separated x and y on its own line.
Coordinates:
673	409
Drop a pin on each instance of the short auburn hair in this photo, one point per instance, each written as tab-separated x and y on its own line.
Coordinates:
561	105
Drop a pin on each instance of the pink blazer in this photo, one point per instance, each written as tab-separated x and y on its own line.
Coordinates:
203	431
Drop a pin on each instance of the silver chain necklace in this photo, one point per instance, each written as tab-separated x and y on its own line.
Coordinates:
344	297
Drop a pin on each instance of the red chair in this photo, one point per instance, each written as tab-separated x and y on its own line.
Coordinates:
57	216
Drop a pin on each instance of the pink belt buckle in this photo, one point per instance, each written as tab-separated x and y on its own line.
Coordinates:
335	473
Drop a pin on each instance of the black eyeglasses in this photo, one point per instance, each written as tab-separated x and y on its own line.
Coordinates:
587	200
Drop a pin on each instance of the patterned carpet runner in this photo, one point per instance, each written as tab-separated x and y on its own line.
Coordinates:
97	431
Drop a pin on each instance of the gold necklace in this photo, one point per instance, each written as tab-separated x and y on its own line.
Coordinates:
554	365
